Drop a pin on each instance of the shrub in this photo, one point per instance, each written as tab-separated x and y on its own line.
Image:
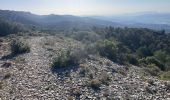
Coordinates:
164	58
19	47
95	84
132	59
151	60
1	85
105	78
161	56
165	75
144	52
70	98
68	58
108	49
152	69
7	27
168	63
8	75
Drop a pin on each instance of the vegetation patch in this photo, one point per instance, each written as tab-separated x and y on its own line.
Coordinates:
108	49
1	85
165	75
68	58
152	69
8	75
19	47
105	78
95	83
7	27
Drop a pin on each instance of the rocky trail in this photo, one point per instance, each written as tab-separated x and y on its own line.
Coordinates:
31	78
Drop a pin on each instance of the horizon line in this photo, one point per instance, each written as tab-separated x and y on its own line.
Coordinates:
82	15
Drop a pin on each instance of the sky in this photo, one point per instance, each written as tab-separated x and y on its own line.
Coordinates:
86	7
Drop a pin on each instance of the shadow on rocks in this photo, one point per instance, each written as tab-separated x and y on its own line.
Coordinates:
9	56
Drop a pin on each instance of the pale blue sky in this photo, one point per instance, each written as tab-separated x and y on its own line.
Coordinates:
86	7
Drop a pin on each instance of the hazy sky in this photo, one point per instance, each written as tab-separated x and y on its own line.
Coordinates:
86	7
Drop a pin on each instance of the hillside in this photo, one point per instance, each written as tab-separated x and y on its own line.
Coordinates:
60	23
63	57
29	76
54	22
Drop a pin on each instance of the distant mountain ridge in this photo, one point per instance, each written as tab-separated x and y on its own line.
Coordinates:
52	21
65	22
153	20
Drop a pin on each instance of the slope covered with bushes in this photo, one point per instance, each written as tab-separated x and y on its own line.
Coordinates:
7	27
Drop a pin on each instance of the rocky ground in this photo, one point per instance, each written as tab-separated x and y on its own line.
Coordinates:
30	77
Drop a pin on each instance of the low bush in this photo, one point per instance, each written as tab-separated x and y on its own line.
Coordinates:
132	59
1	85
152	69
105	78
70	98
108	49
68	58
19	47
95	84
151	60
165	75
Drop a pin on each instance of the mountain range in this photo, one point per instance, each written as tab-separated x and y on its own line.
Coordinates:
150	20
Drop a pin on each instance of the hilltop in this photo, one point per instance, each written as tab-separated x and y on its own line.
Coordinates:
80	58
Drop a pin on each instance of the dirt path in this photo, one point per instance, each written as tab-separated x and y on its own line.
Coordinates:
31	79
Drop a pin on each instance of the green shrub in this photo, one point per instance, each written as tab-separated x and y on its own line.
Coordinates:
164	58
108	49
1	85
152	69
165	75
168	63
68	58
132	59
19	47
143	52
151	60
160	55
